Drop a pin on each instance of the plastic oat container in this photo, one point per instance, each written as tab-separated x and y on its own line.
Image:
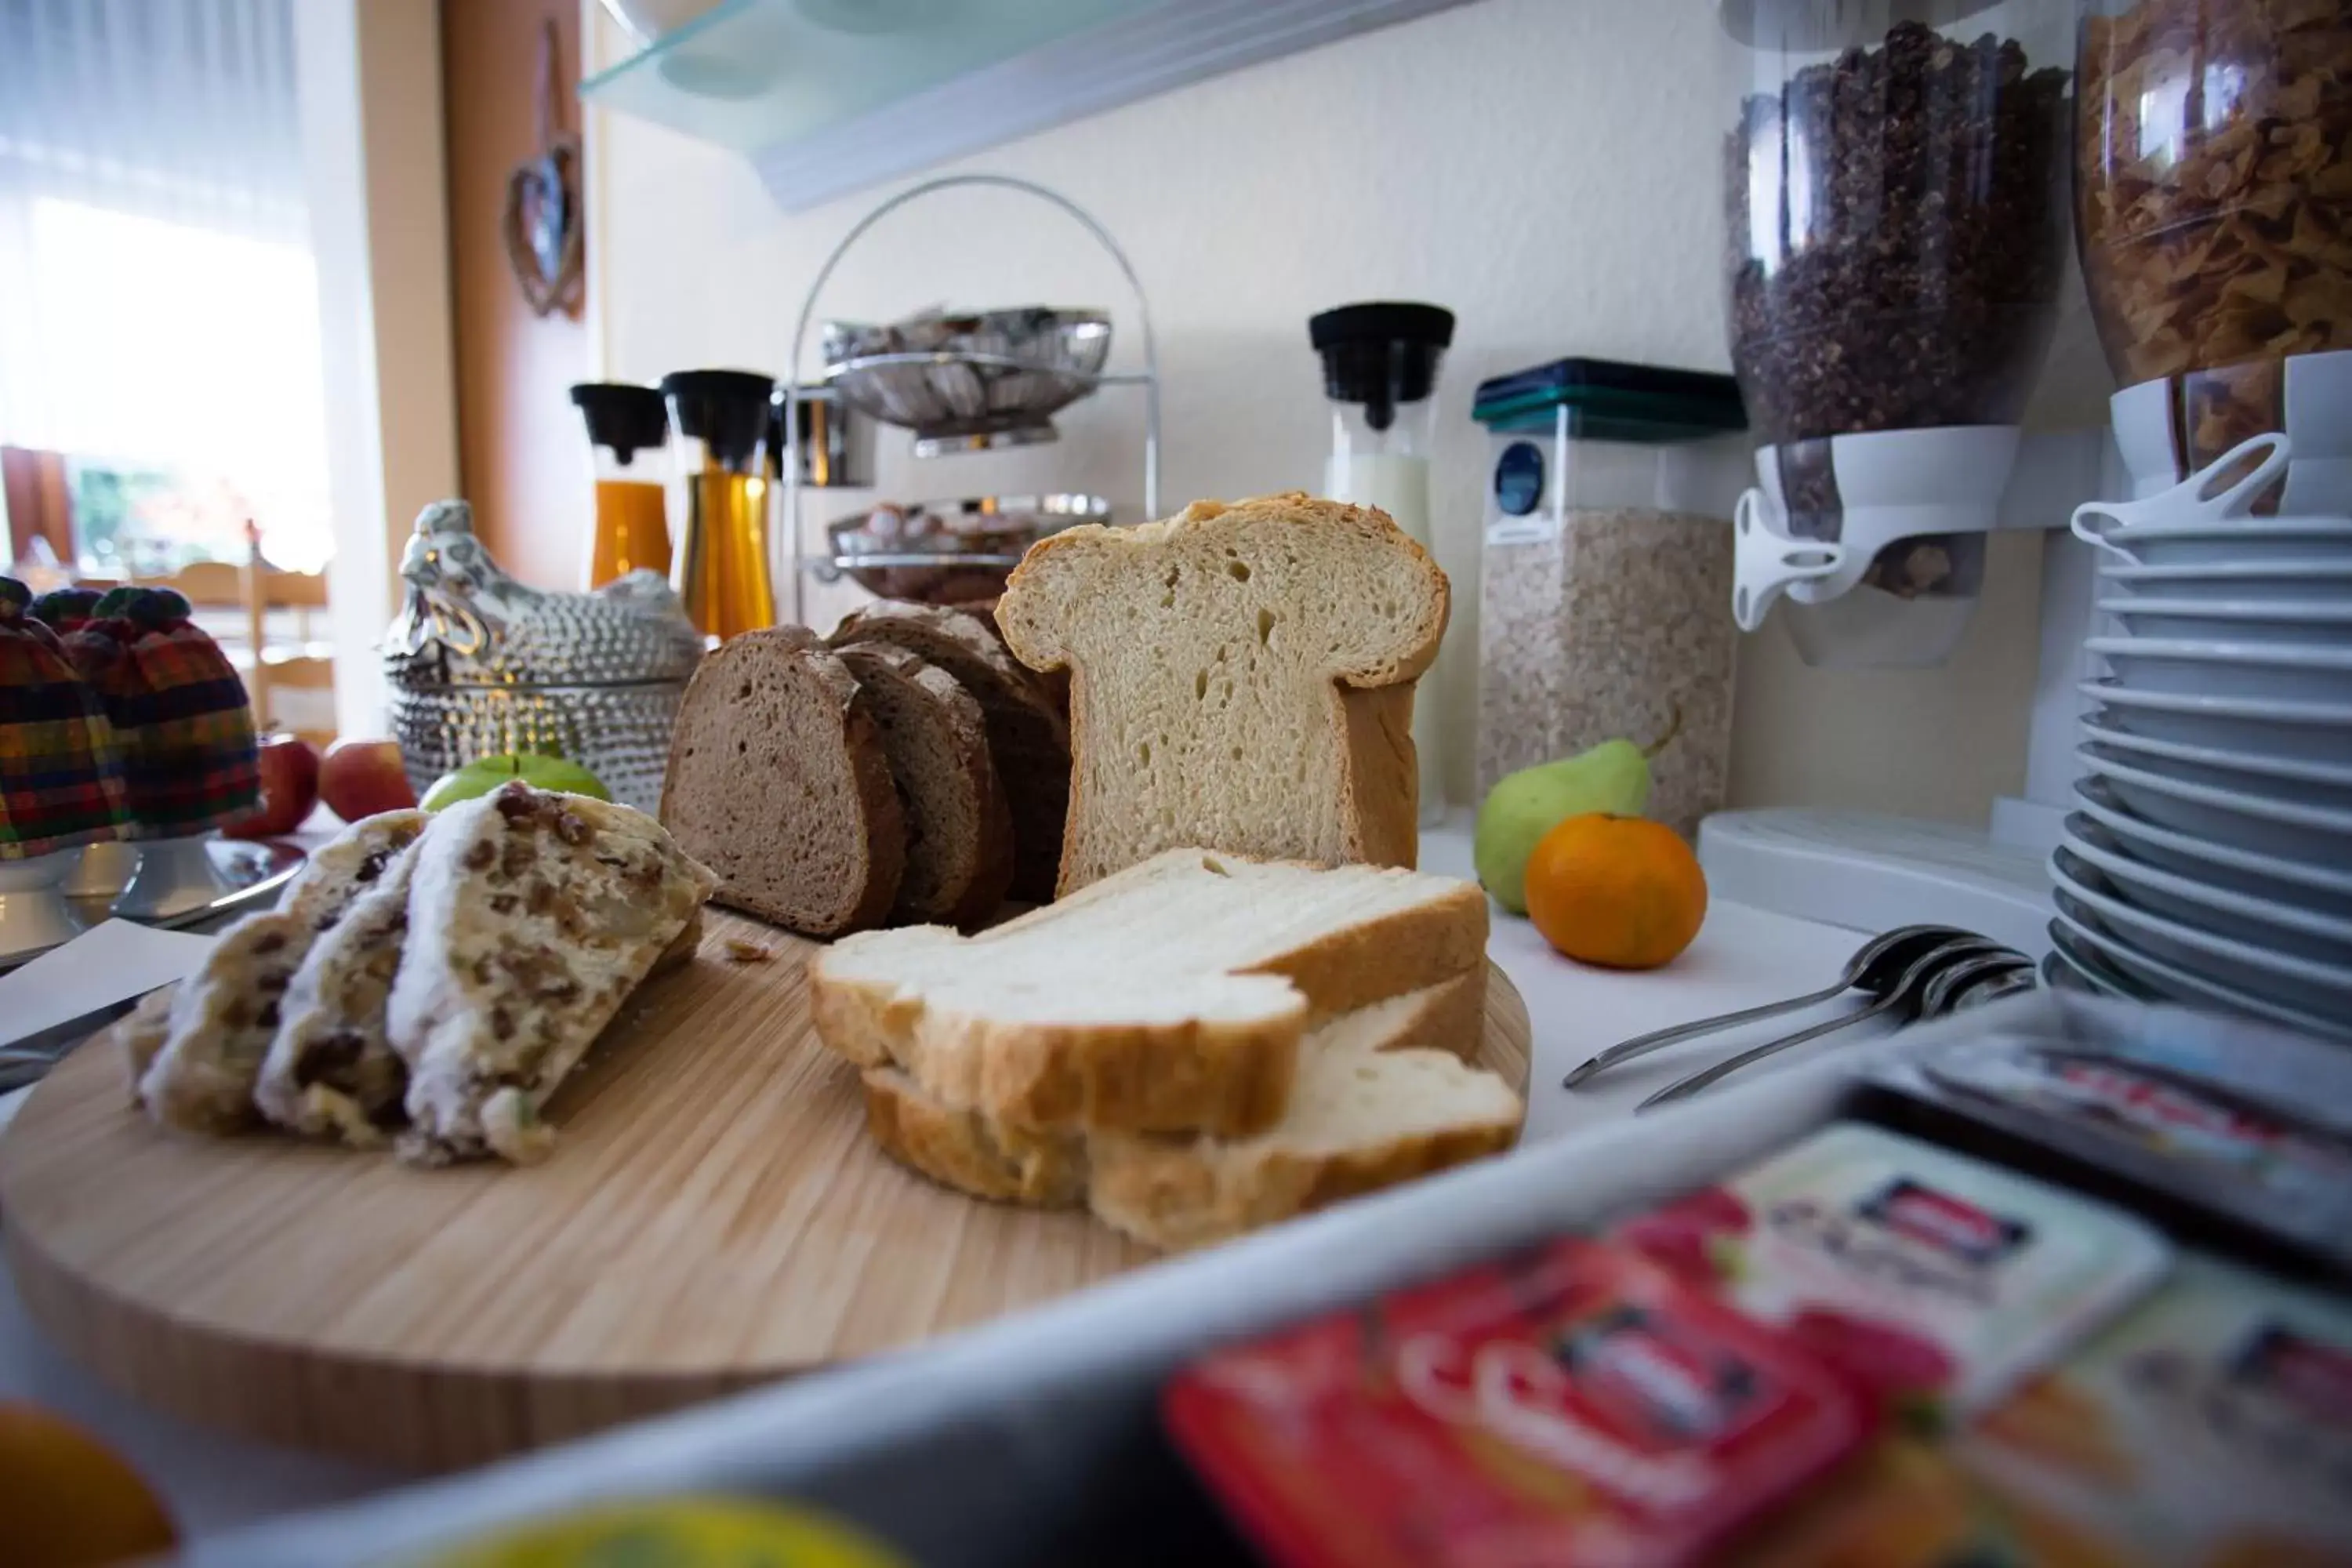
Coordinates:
1605	574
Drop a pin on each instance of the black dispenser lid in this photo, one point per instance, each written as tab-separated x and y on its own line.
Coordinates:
725	410
622	417
1380	353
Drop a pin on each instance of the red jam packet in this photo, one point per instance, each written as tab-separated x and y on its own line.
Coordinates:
1577	1406
1933	1281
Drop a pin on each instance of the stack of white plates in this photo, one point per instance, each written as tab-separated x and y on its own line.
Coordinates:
2209	859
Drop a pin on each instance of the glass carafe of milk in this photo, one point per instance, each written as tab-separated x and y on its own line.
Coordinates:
1380	368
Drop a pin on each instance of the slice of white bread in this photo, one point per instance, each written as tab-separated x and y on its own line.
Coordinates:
1028	738
1240	677
958	833
1169	997
531	916
1373	1104
778	781
1049	1167
1358	1120
222	1019
1042	1167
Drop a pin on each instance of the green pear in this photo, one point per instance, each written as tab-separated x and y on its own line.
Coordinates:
1613	778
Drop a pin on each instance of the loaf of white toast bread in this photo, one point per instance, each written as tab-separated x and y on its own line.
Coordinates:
1240	677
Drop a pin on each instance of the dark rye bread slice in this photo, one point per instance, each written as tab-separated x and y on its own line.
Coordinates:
959	830
1057	682
779	782
1027	737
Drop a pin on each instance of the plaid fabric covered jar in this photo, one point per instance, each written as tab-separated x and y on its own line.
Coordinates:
61	779
179	711
64	610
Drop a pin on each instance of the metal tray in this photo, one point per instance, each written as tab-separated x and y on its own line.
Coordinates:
1035	1439
255	871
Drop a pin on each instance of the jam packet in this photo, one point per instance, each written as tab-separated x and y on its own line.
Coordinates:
1909	1504
2212	1426
1575	1405
1935	1281
2219	1151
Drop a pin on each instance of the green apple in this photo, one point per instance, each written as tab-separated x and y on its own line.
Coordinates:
484	774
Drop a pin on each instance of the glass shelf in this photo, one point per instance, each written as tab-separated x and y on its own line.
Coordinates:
826	97
752	75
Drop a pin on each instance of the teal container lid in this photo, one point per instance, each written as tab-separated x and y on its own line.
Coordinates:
1611	401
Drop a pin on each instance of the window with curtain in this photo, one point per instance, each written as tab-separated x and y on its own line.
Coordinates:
160	379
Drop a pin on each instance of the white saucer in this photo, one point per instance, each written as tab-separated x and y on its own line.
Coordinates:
2288	778
2307	933
2304	983
2194	667
2316	732
2070	950
2169	981
2319	886
2303	578
2239	818
2251	539
2320	623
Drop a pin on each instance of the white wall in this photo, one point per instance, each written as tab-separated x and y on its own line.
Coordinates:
370	76
1545	168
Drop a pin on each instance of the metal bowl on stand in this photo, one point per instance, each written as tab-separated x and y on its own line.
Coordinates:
948	551
964	383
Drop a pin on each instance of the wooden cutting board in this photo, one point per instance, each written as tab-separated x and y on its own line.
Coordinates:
713	1217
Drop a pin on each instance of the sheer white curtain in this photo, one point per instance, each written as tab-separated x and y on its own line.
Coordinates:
158	304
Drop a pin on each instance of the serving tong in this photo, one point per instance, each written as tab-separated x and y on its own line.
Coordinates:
1914	972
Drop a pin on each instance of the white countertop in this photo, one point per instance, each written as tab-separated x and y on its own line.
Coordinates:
1743	956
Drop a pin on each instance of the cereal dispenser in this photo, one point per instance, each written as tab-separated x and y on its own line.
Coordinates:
2214	213
1895	184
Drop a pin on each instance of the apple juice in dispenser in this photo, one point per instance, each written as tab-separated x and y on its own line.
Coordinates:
720	568
629	431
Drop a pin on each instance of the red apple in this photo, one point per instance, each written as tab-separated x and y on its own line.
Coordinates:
289	788
360	778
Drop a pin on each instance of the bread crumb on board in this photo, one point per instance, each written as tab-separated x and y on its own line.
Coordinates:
743	951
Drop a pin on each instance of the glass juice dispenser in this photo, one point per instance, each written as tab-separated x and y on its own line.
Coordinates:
719	452
628	433
1895	197
1380	368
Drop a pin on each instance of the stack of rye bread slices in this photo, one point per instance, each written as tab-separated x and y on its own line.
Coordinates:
1194	734
906	770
